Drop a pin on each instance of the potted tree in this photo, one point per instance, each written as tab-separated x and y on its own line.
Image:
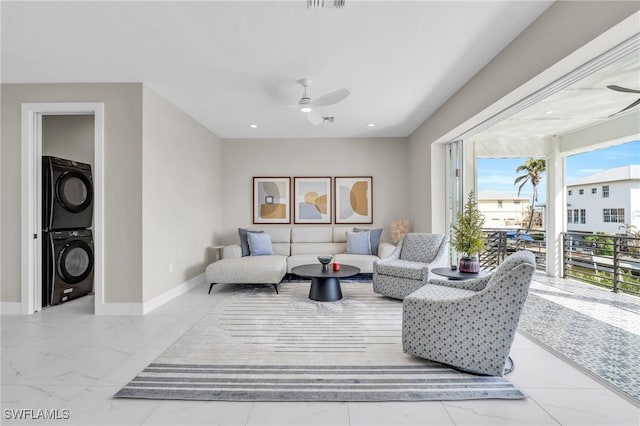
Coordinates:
468	238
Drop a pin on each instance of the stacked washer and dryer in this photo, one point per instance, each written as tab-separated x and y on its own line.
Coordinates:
67	243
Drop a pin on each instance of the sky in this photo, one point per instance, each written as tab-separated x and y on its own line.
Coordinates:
498	174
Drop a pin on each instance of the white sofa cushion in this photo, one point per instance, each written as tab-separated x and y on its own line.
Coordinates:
340	233
311	235
247	270
317	248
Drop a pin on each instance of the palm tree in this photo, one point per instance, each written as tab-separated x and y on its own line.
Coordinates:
534	167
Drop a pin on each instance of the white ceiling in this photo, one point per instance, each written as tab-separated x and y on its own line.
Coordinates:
231	64
587	102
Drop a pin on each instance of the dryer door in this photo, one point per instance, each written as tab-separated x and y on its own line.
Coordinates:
75	261
74	191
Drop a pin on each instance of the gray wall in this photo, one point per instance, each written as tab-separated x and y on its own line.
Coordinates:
564	28
122	181
383	158
181	190
161	181
69	136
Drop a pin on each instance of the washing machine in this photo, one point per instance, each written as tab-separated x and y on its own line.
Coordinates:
67	264
67	194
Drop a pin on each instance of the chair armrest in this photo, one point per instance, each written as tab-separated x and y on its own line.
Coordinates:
385	250
473	285
231	251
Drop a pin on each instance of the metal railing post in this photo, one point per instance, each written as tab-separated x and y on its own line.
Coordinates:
616	269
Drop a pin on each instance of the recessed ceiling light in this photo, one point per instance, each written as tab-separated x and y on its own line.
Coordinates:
549	112
253	126
305	109
371	125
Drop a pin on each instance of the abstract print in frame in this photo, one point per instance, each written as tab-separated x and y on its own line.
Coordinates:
312	200
354	199
271	200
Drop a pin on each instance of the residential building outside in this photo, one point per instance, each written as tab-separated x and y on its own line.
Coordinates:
605	201
502	210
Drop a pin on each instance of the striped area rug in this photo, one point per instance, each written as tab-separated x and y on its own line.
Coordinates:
260	346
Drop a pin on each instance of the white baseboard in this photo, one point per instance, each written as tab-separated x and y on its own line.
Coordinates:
10	308
15	308
169	295
119	309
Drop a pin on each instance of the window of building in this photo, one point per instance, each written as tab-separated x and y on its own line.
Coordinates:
613	215
570	191
605	191
569	215
499	204
581	192
594	190
583	216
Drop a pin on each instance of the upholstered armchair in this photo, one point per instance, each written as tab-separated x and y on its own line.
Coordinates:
407	268
469	324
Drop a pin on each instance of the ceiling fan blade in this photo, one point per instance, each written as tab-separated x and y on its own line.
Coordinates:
331	98
636	103
314	117
622	89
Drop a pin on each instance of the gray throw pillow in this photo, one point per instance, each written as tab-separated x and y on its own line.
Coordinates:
259	244
358	242
375	238
244	244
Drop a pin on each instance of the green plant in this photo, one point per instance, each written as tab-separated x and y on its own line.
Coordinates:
603	244
468	237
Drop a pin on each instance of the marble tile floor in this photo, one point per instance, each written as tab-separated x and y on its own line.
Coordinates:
65	358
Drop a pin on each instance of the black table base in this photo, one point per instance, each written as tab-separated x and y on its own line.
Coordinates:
325	289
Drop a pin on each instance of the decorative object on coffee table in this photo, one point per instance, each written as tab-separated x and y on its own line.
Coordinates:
325	260
468	238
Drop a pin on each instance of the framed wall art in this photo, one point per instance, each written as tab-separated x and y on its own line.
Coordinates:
271	200
353	199
312	200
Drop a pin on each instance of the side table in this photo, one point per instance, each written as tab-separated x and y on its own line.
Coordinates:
457	275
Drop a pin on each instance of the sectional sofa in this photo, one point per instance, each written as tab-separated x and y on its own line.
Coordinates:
291	247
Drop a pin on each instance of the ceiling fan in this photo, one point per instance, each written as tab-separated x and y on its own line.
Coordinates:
308	105
624	90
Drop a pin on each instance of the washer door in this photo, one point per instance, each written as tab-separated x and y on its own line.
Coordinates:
75	261
74	191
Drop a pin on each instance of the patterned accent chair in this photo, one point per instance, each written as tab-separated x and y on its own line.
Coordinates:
407	268
471	324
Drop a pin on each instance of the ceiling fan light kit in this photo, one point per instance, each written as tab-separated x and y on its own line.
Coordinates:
308	105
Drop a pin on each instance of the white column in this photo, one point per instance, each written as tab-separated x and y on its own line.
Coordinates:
556	206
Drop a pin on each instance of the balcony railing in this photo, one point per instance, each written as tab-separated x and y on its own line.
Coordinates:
502	242
605	260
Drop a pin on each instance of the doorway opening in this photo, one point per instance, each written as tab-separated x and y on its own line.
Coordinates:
31	203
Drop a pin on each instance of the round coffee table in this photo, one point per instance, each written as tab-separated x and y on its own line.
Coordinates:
325	285
457	275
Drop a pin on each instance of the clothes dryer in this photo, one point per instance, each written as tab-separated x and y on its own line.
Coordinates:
67	194
67	264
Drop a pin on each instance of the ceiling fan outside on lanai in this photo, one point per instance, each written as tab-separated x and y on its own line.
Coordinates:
624	90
